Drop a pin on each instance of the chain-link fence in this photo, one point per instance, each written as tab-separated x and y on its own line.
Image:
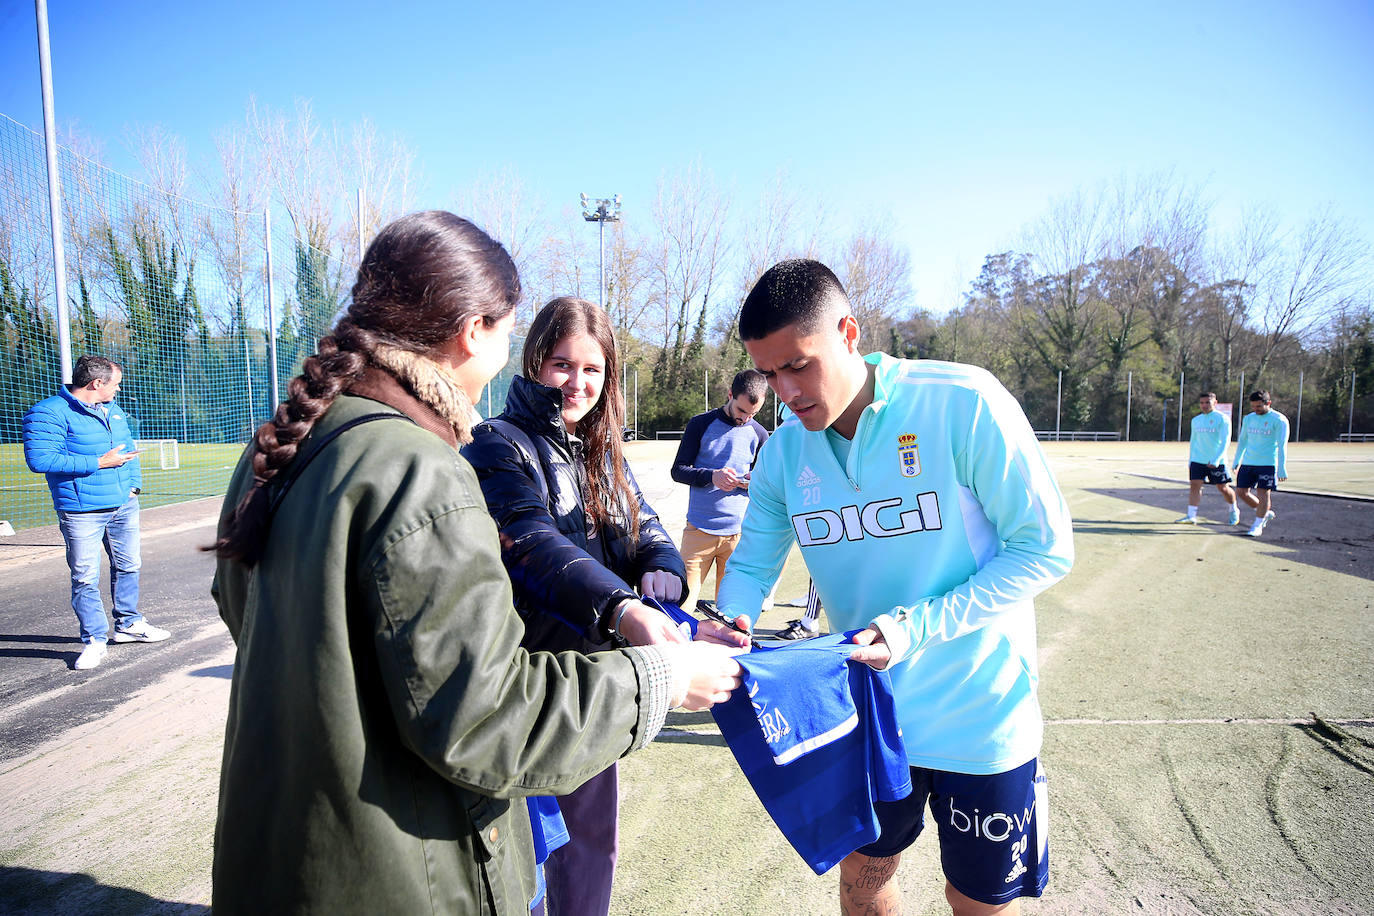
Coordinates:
173	290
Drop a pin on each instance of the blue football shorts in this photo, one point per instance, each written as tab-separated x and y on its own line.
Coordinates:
1257	477
1208	473
993	830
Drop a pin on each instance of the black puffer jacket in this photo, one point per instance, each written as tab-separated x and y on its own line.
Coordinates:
565	578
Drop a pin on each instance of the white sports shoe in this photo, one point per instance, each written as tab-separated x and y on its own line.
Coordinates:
1256	528
143	631
1269	516
1186	520
91	656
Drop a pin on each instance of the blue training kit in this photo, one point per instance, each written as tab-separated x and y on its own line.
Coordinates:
939	527
818	739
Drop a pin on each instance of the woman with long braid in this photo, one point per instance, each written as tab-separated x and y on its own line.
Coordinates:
384	722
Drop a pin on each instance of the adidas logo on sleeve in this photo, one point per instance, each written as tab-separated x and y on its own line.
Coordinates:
817	738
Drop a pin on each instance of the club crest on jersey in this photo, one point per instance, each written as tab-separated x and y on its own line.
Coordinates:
910	458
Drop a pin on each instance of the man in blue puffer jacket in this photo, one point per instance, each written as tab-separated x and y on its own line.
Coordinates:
79	439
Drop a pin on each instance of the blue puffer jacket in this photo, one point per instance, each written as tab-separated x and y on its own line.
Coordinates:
64	439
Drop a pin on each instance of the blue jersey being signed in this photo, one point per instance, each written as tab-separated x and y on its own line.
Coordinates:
940	527
818	739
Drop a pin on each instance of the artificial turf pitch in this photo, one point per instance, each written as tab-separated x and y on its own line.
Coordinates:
1206	699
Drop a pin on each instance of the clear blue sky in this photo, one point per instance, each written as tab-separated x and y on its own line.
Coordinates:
961	124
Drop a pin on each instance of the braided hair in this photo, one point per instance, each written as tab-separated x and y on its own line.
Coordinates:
423	277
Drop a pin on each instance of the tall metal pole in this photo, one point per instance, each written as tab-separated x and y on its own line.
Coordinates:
1240	404
600	211
362	200
59	256
636	400
601	274
248	377
1179	436
1128	406
1350	423
706	389
1297	431
1058	402
271	316
1164	423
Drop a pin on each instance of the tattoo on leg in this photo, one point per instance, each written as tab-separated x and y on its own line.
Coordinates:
868	890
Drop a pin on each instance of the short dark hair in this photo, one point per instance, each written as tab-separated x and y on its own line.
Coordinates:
1207	394
1259	394
750	383
91	368
797	292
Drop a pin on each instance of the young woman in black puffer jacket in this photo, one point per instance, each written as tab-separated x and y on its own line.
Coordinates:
577	538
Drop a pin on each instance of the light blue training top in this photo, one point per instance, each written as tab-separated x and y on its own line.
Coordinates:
1263	442
943	524
1209	436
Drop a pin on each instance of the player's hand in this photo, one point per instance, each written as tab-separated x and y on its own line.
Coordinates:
116	457
703	674
725	479
715	632
661	585
1281	479
642	625
872	651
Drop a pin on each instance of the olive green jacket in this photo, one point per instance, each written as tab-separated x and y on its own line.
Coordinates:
384	723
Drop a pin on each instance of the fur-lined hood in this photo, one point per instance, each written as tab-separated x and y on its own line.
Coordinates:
422	389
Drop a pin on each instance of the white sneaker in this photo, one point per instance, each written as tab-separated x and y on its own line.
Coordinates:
1186	520
1269	516
143	631
91	656
1234	518
1256	528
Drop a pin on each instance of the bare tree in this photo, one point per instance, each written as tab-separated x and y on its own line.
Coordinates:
876	273
689	215
1318	266
505	208
383	168
1061	319
1234	267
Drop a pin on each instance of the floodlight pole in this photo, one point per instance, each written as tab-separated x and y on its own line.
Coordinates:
59	256
1179	436
271	316
1297	432
601	211
1058	402
1164	422
1128	406
1350	423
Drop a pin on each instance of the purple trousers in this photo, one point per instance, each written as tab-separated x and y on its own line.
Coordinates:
579	873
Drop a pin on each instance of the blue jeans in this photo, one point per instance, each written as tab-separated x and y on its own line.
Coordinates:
84	533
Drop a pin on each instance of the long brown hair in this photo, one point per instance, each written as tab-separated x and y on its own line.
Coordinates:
609	496
422	278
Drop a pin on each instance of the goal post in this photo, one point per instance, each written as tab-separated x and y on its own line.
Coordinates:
167	451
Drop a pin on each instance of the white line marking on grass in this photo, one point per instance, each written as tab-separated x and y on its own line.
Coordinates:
1237	721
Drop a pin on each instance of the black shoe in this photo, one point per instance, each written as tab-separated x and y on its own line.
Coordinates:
797	630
